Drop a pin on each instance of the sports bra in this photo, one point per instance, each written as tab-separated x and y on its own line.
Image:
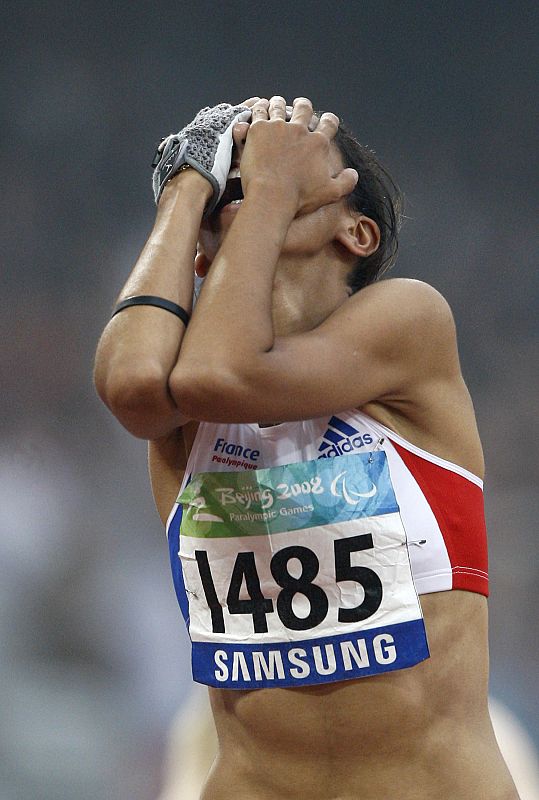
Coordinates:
305	567
440	503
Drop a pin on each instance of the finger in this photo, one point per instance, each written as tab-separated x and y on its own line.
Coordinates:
163	142
345	182
302	111
250	102
277	107
328	125
312	124
260	110
241	130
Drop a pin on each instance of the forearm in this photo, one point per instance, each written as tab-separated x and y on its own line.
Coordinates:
140	345
232	325
231	329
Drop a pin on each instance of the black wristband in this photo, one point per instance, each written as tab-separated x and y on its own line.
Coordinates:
151	300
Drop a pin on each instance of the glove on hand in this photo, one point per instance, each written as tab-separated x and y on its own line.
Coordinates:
205	144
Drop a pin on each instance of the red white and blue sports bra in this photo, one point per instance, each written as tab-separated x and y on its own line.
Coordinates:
440	503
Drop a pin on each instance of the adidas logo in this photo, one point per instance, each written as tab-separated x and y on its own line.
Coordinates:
341	438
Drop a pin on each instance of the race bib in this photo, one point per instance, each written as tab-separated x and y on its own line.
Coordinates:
298	575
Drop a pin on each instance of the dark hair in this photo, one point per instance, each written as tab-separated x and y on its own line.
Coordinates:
377	196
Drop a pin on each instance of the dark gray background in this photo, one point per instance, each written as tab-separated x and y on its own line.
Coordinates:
94	658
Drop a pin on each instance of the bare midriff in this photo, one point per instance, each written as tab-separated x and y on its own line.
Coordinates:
422	733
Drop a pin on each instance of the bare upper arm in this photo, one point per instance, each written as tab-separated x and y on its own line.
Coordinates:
167	460
383	342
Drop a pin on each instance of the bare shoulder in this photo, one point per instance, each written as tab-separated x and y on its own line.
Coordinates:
431	405
409	296
400	316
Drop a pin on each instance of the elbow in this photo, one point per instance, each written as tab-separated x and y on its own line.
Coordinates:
139	400
128	388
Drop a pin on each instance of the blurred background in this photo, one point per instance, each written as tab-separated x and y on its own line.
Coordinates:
94	660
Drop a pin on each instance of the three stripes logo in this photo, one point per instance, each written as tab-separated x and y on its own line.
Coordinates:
341	438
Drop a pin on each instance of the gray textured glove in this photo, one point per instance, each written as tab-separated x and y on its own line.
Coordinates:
205	144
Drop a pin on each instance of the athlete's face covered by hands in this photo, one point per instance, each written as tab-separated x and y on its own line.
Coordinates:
286	149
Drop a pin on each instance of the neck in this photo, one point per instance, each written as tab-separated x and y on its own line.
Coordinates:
306	292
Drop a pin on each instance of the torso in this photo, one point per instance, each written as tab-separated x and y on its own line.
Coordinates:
416	734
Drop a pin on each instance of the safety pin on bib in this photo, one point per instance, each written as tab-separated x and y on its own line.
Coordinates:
376	447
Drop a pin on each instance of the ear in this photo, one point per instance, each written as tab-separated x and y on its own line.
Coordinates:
202	264
360	235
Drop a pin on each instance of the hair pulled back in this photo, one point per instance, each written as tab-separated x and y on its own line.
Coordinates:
377	196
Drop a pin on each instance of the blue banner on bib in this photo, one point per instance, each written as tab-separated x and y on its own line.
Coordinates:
325	660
